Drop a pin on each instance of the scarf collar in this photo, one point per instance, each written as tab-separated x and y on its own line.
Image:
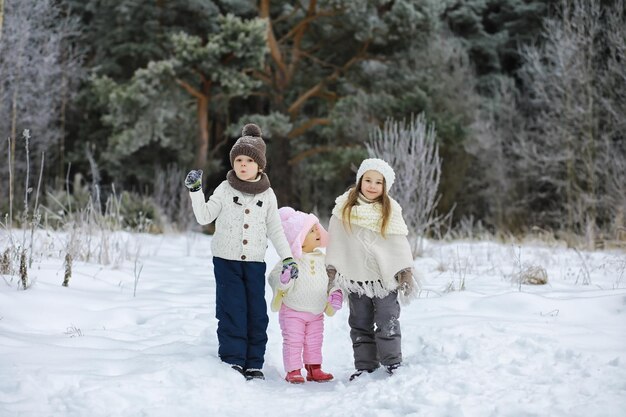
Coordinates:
248	187
361	199
369	216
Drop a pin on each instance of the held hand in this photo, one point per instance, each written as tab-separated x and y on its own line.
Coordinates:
290	265
193	181
335	299
405	281
332	274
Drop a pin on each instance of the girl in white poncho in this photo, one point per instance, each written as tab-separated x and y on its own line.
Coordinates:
370	259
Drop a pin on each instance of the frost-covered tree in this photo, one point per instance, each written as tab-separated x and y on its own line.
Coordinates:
571	158
552	153
39	71
491	178
412	151
324	56
199	77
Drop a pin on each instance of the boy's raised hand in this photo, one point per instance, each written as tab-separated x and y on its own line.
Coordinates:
193	181
290	267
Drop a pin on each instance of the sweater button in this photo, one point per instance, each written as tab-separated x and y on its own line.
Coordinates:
245	226
245	242
243	257
247	211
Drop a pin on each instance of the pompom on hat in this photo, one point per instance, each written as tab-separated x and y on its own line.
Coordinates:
296	226
375	164
250	144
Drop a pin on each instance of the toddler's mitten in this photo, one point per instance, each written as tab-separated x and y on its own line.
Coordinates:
290	265
285	276
335	299
193	181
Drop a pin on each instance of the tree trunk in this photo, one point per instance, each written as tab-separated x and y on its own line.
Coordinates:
280	172
64	100
1	26
203	129
12	140
1	17
13	137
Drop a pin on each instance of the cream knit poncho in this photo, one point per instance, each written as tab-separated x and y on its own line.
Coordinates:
366	262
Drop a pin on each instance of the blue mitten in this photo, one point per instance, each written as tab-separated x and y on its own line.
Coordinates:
193	181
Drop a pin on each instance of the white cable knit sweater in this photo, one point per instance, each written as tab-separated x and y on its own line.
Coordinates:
244	222
309	292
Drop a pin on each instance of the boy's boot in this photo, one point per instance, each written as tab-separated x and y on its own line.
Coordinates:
253	373
239	369
315	373
294	377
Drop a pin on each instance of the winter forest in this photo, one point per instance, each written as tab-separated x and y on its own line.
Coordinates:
526	98
505	123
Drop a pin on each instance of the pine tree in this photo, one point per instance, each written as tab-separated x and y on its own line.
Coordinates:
320	54
146	111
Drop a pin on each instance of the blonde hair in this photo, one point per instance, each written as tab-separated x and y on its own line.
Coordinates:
353	196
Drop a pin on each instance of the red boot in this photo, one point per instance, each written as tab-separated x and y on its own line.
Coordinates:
315	373
294	377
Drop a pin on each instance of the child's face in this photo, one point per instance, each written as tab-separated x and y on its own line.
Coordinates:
312	240
245	168
372	184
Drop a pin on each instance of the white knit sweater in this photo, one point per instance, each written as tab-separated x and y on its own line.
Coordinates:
309	292
242	226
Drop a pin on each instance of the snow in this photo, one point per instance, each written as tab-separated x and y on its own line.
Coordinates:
495	348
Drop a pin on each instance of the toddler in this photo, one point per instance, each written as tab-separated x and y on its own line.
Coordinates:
301	302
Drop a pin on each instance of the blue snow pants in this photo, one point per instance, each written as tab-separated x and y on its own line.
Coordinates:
241	312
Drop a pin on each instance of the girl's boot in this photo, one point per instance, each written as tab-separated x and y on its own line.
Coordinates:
294	377
315	373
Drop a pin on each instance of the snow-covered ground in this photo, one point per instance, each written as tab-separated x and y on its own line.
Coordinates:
494	348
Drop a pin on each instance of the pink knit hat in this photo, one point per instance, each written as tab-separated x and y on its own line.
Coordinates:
296	225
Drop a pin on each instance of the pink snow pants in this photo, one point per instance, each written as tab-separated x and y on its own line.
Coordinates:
303	334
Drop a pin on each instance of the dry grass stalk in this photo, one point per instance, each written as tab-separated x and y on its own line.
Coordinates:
68	269
5	262
23	270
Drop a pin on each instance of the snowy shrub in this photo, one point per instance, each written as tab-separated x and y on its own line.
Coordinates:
60	204
531	275
413	152
140	213
173	199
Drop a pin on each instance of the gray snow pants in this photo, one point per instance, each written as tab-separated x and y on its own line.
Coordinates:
375	330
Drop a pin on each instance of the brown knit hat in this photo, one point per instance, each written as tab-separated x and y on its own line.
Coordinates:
250	144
